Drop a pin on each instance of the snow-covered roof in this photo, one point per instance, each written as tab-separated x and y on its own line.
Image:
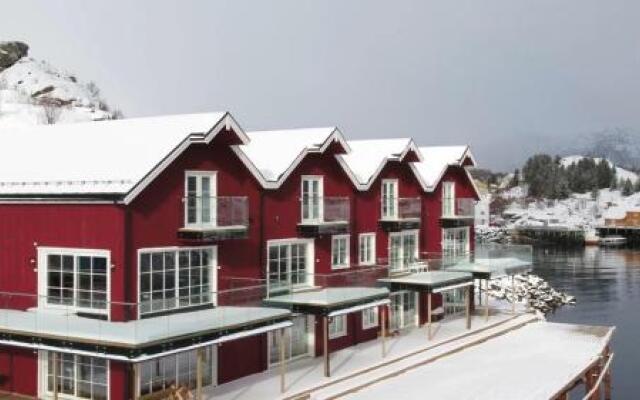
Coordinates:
105	157
274	154
437	159
368	157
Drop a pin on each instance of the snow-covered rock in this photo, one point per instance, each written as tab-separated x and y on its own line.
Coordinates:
35	92
529	289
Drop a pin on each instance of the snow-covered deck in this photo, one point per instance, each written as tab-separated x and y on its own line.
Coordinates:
489	268
328	299
364	361
131	334
532	362
431	281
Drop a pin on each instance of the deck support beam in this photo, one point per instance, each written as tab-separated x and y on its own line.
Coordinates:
133	380
55	374
513	294
283	360
325	329
486	300
199	368
429	315
383	329
467	300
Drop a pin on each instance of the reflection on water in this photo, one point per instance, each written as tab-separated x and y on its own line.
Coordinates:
606	283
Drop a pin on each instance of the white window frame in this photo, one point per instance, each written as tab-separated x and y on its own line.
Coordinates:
213	366
410	232
43	281
452	251
320	217
370	318
213	276
338	329
367	248
334	247
43	376
387	203
213	193
310	339
448	199
310	261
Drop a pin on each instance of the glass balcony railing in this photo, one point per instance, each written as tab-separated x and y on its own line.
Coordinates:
215	212
464	208
318	210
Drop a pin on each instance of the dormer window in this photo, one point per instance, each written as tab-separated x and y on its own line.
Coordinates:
200	199
390	199
311	200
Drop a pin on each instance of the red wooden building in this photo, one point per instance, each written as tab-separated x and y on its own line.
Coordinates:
144	253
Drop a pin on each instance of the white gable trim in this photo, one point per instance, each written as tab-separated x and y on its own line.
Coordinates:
196	137
459	163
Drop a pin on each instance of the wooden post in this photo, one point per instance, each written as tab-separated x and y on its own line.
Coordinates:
486	299
283	360
513	293
607	385
327	366
55	374
467	299
429	316
135	375
199	365
383	329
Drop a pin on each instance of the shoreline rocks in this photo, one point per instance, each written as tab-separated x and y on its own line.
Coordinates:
532	290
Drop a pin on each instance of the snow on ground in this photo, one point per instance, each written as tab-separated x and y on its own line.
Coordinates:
621	173
27	84
579	211
533	362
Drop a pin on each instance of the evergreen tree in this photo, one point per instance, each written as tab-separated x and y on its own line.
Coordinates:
627	188
515	181
636	186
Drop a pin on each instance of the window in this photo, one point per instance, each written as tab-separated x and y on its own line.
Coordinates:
78	377
455	241
448	199
172	278
289	264
75	278
389	199
340	251
312	209
370	318
200	199
338	326
179	370
298	344
403	250
367	249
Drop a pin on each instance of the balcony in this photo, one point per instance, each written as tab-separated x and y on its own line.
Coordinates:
404	265
214	218
461	215
324	216
404	214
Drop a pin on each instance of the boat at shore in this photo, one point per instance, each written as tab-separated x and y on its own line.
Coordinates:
612	241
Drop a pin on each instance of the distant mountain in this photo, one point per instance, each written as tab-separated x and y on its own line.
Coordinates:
620	146
35	92
621	173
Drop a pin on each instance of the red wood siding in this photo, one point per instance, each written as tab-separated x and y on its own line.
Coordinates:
15	366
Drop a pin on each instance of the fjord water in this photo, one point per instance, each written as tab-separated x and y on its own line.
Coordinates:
606	283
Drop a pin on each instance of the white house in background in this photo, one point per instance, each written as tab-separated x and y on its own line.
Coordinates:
482	214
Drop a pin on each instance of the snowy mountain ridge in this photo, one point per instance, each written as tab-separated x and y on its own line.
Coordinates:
35	92
621	173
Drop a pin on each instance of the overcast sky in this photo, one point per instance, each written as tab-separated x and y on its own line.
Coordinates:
499	75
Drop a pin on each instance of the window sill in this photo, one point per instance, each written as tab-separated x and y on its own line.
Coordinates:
339	267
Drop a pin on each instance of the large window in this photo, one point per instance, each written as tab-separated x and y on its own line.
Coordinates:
367	249
370	318
289	264
75	278
455	241
448	199
172	278
389	199
340	251
338	326
298	344
77	377
403	310
403	250
200	199
312	209
177	370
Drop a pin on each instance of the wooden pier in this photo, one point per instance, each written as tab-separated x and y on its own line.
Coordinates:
549	235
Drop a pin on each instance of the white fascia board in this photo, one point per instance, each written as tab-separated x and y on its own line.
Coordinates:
360	186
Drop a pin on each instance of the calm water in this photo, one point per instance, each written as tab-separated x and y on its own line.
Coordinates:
606	283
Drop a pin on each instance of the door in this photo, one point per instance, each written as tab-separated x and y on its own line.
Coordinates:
403	310
299	340
454	301
403	250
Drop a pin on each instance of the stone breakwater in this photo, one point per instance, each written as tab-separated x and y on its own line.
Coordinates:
530	289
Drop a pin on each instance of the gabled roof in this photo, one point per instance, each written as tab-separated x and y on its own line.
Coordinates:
273	155
436	161
369	157
116	157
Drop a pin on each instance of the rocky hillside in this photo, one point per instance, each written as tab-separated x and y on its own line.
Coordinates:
34	92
